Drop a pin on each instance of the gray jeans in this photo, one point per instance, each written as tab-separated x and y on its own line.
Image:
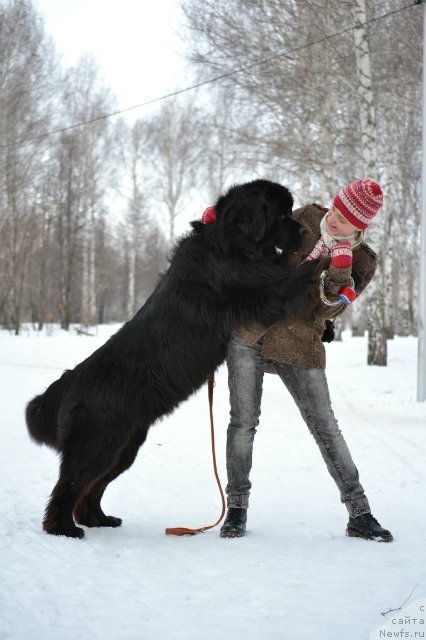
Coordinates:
310	392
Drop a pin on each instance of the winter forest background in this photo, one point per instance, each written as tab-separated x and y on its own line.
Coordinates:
88	214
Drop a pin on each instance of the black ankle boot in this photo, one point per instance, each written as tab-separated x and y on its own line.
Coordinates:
235	523
365	526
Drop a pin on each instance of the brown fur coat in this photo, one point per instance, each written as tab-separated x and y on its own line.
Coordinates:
299	342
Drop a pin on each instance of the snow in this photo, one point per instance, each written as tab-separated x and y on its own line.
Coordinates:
294	576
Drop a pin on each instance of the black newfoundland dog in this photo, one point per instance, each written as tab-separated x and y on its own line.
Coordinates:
224	274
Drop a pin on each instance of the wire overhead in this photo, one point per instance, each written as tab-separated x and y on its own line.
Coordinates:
214	79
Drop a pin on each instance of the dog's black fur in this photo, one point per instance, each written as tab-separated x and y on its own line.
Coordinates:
222	275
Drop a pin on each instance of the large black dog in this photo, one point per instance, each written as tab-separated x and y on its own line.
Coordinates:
222	275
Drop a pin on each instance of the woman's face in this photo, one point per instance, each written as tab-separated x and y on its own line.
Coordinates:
337	225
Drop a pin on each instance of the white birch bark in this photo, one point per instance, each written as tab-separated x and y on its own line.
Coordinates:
85	274
88	289
92	266
389	243
377	348
131	282
133	233
328	169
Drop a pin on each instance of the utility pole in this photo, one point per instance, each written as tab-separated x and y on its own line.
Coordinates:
421	359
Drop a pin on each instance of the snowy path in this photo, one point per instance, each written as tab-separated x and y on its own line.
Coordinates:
294	576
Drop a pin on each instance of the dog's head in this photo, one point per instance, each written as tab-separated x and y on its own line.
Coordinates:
255	219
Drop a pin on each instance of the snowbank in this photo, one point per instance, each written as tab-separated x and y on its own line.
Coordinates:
294	576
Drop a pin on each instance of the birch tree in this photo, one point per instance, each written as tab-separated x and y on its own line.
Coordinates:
87	174
177	145
136	218
303	116
377	347
289	106
314	121
26	73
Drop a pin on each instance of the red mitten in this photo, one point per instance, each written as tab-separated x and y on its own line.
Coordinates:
341	254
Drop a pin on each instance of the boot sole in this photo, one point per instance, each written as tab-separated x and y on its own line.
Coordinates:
232	534
353	533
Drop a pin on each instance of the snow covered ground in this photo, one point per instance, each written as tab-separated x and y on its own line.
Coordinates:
294	576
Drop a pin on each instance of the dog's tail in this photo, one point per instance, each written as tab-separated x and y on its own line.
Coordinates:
41	413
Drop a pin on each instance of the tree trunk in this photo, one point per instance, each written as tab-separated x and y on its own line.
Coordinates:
388	254
377	348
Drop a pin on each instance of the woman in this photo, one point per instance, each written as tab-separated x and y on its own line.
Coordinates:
296	353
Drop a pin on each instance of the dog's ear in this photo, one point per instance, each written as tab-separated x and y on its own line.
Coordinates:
253	225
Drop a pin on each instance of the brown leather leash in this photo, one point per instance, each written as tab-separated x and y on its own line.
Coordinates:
183	531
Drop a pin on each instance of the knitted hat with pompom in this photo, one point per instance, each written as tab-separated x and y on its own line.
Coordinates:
359	202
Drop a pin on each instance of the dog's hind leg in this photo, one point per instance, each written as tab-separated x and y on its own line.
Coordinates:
88	450
88	510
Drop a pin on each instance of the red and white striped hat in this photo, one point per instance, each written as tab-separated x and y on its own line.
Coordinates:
359	202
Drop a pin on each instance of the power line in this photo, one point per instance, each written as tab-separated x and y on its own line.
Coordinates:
221	76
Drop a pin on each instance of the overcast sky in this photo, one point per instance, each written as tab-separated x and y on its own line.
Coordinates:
135	43
138	50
